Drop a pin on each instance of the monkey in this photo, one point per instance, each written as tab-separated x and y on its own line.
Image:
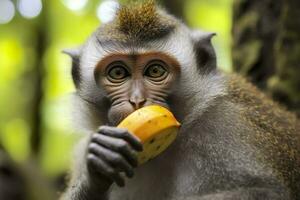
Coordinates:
234	141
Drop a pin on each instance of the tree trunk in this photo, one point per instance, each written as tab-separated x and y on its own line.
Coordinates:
38	75
12	184
175	7
266	47
22	181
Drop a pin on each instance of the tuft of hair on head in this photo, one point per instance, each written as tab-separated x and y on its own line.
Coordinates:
142	20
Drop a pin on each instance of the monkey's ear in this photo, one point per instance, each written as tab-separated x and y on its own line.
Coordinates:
205	53
75	55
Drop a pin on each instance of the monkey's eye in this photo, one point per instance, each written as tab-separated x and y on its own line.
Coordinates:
156	71
117	73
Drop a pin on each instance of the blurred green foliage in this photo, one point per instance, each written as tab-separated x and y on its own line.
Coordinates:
214	16
66	28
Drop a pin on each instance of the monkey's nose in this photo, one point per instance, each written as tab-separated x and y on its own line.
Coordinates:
137	102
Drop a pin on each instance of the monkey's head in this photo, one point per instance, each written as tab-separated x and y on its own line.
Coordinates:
144	56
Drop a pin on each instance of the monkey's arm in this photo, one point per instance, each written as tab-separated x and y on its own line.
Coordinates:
79	187
100	158
244	194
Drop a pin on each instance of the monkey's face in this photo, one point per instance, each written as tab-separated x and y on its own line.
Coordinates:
134	81
135	60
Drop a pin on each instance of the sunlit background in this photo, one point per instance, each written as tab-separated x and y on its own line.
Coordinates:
35	80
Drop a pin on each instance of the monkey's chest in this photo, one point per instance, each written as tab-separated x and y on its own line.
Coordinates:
163	179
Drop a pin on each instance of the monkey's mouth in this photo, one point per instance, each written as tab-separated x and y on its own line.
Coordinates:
116	120
119	112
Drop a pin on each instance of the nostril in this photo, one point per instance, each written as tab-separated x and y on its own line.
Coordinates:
142	103
137	103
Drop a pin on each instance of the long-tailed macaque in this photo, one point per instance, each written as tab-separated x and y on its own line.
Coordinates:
234	143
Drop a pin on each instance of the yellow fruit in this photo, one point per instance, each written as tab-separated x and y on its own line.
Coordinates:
155	126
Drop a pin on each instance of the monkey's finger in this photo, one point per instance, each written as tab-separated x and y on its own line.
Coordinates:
117	145
122	133
115	159
105	169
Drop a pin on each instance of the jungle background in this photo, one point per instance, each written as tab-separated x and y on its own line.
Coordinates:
257	38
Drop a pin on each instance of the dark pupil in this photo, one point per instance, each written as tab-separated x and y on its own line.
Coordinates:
156	71
117	73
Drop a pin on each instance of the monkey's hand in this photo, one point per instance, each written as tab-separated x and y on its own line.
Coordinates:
111	151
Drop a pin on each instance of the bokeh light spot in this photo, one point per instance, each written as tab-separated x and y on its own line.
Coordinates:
29	8
7	11
75	5
106	11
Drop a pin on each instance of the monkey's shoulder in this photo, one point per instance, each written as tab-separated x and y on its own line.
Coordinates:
274	132
259	108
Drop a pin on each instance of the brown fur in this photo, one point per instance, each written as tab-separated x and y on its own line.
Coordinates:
138	21
277	131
